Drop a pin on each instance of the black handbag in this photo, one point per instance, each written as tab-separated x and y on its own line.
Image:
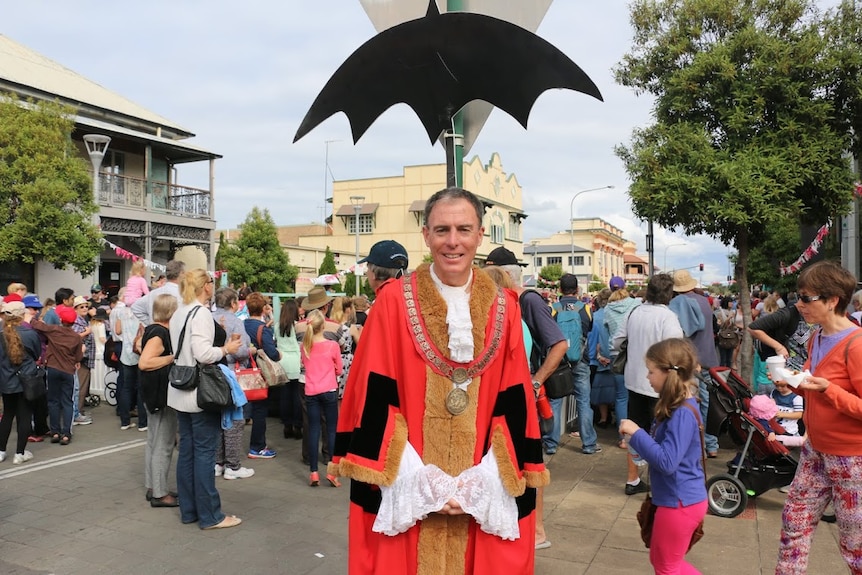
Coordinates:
34	384
184	377
619	363
561	383
213	388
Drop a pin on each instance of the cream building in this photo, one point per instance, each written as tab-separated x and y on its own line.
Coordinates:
591	248
392	209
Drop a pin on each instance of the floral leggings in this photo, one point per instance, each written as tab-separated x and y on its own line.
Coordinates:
821	478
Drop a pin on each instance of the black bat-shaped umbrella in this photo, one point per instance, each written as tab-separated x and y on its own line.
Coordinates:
437	64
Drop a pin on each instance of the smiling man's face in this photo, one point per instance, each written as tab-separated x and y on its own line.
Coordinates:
453	233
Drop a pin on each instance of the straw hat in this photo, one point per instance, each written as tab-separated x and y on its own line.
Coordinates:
683	282
316	298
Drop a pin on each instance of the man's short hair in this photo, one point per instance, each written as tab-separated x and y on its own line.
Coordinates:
569	284
660	289
224	297
382	274
454	193
63	294
174	269
514	271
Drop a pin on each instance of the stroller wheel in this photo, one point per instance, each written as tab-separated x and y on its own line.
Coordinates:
726	495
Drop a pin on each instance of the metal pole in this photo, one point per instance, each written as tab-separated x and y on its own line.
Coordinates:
97	147
664	269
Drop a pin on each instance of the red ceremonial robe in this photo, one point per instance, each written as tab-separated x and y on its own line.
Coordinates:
396	393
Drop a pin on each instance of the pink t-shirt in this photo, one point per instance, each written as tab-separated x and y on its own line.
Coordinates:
322	366
136	288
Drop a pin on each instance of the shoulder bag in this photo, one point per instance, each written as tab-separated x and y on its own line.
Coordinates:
183	377
618	366
34	384
271	370
561	383
251	381
646	514
213	388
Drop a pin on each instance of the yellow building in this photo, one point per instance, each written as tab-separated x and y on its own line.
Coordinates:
391	208
591	248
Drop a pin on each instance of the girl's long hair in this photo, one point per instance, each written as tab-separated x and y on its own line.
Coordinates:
14	345
678	358
315	321
288	316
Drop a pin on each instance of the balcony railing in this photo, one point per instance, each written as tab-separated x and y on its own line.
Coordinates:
161	197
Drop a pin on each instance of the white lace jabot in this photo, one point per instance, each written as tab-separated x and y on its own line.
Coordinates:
457	318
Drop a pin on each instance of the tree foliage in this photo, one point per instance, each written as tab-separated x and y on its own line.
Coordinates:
257	258
549	275
744	133
46	194
327	266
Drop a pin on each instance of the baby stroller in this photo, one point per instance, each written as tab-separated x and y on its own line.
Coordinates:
760	465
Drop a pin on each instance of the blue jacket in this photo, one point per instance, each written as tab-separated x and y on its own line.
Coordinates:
675	459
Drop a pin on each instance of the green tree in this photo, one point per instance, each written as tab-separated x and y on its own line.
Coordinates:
550	275
256	258
742	136
327	266
350	284
46	194
780	245
223	249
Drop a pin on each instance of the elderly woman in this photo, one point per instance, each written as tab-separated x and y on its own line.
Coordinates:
199	430
830	465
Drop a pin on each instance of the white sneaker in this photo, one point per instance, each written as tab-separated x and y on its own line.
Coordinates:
129	426
241	473
219	470
22	457
2	456
144	428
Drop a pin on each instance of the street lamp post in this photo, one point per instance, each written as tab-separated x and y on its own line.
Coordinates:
664	269
357	207
97	147
572	222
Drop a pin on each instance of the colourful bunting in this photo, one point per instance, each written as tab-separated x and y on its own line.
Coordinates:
812	250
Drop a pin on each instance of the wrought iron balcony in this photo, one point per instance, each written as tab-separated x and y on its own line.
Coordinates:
160	197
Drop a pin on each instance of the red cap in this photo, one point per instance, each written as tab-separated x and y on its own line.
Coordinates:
12	297
66	314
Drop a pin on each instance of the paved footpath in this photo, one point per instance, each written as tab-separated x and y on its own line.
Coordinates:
80	510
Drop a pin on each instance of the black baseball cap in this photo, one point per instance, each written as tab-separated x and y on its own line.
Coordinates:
502	257
387	254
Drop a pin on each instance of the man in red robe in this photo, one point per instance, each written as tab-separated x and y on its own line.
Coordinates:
438	426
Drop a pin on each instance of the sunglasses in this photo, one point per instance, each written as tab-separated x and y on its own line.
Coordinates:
809	298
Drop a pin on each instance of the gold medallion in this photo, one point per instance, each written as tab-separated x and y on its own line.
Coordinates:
459	375
456	401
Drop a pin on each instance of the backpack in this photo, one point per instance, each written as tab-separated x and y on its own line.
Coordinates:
728	336
569	319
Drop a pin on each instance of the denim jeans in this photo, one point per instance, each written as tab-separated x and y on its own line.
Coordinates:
258	424
581	375
711	441
326	404
76	390
199	498
126	391
60	386
621	405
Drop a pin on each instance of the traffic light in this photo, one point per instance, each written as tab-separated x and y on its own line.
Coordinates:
701	267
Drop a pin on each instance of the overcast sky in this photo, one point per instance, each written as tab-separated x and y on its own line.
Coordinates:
241	76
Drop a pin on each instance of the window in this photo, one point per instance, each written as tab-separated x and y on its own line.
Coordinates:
514	229
538	261
555	260
576	260
496	234
366	224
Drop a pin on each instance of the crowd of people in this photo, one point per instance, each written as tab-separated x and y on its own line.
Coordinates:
420	398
